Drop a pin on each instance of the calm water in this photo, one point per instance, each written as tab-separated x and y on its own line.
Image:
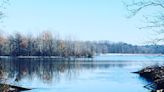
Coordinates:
105	73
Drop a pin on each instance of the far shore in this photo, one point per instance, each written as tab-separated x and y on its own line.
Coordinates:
132	54
51	57
55	57
71	57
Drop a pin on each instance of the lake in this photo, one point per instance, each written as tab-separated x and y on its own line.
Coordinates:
103	73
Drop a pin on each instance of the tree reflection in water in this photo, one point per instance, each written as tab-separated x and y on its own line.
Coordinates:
47	70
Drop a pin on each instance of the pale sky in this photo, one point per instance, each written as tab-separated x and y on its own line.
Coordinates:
83	19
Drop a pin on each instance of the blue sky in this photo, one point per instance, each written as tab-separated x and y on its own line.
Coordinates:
82	19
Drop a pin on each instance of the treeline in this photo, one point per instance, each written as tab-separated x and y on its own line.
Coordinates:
47	44
120	47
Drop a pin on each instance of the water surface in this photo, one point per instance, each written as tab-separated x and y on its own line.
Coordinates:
105	73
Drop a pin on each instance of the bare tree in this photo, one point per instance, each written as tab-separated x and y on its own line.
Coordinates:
3	4
2	41
153	13
16	42
47	43
30	45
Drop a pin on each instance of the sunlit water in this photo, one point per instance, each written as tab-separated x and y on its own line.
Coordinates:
105	73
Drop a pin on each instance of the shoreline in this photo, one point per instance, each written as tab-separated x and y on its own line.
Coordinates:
82	57
125	54
128	54
45	57
155	75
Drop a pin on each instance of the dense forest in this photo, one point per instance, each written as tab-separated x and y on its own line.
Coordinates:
47	44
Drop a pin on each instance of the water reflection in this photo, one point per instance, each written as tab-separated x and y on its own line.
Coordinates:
47	69
47	73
